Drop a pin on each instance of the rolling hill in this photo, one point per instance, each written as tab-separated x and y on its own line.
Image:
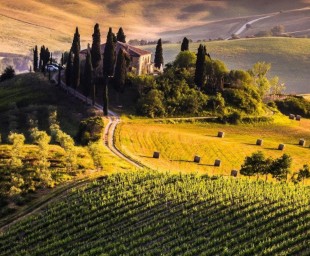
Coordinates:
151	213
289	57
30	22
178	141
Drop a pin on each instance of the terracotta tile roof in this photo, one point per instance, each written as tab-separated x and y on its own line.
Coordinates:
129	49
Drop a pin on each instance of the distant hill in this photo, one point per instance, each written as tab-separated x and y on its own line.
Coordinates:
289	57
52	22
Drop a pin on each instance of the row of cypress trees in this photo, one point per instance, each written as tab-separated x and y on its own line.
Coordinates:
93	59
45	56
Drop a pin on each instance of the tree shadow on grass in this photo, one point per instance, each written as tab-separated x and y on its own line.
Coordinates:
180	160
210	165
145	156
274	149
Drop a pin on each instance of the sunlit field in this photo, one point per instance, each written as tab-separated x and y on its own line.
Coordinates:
178	144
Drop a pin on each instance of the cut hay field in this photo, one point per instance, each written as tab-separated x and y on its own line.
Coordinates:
178	143
289	57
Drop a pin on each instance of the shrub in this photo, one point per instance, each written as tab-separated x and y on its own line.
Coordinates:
295	105
8	73
90	130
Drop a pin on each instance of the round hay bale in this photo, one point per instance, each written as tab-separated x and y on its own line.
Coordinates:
281	147
217	163
298	118
197	159
156	154
291	116
234	173
259	142
221	134
302	142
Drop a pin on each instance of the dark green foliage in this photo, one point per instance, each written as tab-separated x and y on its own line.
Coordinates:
69	70
151	104
8	73
170	95
75	49
303	173
294	105
200	73
159	59
44	57
120	72
121	37
76	71
35	58
280	168
216	73
76	43
87	77
247	99
109	55
62	60
255	164
185	59
106	97
185	44
90	130
95	48
114	38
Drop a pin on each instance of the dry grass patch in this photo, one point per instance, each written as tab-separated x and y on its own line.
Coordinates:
179	143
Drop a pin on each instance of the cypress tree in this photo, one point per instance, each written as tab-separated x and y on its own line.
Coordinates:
105	99
75	49
121	35
42	53
87	78
109	55
76	71
95	48
62	60
200	67
120	72
114	38
185	44
159	59
76	43
69	70
35	58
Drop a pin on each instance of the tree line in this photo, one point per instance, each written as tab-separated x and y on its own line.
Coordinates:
257	164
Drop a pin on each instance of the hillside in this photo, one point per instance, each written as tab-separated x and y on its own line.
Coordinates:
289	57
159	214
30	22
178	141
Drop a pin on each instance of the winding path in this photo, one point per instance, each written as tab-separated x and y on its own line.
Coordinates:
244	27
109	131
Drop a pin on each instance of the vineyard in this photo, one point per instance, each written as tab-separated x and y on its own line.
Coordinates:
152	213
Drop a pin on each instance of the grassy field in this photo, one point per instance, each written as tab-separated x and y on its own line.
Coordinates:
148	213
178	143
289	57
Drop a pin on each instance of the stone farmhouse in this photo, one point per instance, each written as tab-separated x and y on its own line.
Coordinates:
140	60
